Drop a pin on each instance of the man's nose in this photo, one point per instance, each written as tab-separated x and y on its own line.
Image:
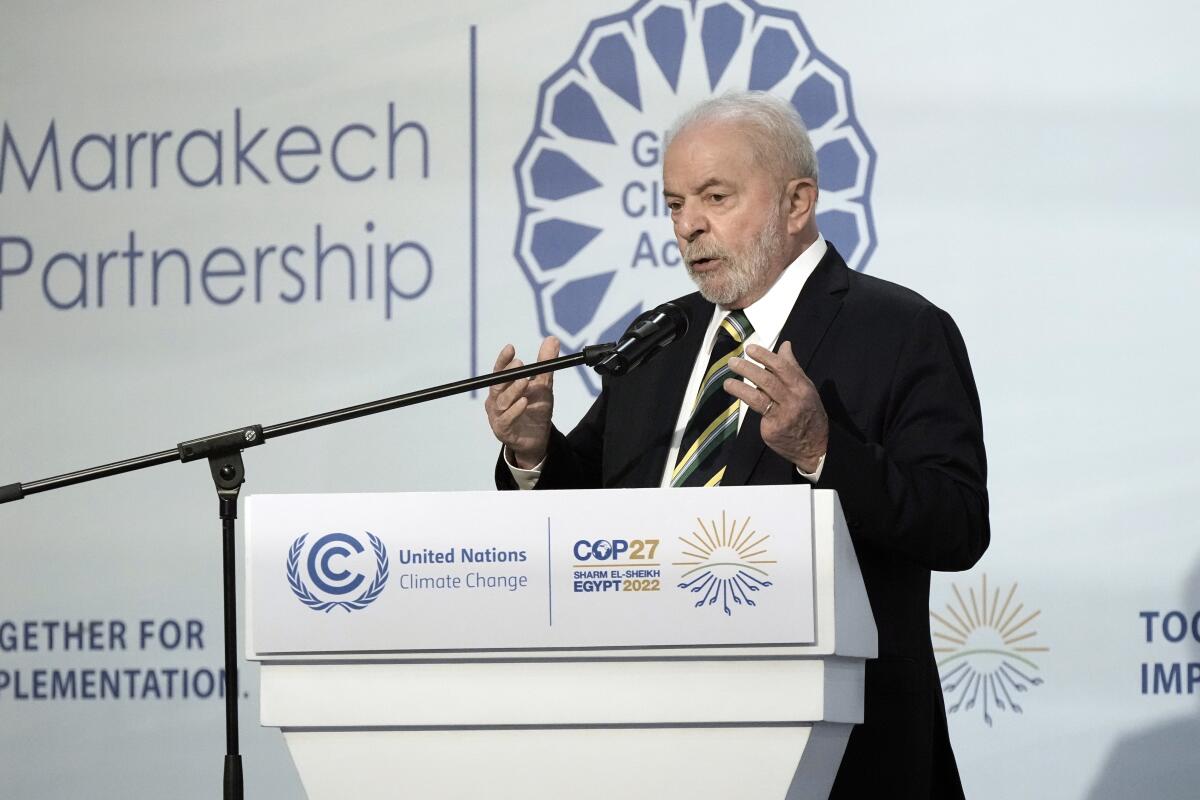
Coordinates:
689	224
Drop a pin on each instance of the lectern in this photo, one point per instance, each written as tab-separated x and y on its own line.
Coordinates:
647	643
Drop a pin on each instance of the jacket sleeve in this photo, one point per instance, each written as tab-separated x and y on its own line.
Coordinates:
574	460
921	490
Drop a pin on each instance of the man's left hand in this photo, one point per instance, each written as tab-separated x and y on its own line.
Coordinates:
794	422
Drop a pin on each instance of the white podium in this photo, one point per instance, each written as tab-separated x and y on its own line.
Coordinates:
558	665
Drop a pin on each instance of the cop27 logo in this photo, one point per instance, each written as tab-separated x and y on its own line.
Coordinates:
726	565
332	568
594	237
987	649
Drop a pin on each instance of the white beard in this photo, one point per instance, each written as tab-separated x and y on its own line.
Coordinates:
743	271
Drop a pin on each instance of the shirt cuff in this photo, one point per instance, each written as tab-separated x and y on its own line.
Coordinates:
528	478
811	477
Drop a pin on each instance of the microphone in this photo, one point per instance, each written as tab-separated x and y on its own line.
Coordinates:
646	335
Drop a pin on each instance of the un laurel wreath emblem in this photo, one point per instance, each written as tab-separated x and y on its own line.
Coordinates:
331	581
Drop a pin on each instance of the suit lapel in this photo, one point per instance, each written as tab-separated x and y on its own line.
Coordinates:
818	304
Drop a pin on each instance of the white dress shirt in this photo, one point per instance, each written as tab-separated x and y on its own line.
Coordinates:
767	315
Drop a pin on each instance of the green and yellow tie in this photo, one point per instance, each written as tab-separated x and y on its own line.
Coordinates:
708	437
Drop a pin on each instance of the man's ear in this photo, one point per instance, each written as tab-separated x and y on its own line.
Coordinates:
801	199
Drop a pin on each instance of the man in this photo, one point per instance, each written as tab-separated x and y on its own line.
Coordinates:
855	384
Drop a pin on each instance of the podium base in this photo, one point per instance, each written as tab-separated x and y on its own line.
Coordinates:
785	762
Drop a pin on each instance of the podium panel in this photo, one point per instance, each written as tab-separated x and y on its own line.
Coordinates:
654	643
582	764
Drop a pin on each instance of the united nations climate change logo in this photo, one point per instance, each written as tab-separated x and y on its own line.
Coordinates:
594	237
728	564
985	651
330	565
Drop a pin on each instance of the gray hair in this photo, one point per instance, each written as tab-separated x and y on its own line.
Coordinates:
777	133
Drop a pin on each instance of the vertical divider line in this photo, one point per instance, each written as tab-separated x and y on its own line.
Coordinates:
474	301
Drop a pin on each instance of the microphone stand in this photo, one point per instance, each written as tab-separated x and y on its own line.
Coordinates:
224	454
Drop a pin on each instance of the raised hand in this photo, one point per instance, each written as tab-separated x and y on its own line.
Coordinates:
519	411
794	422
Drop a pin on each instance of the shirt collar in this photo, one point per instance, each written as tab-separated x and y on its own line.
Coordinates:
770	312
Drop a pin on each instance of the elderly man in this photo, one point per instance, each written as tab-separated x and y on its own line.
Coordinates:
858	385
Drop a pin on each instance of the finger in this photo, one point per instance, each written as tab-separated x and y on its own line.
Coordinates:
767	381
797	376
506	355
506	420
516	363
751	397
788	356
549	350
774	362
498	389
783	363
748	369
512	392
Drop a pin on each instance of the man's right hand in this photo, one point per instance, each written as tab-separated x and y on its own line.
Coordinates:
519	411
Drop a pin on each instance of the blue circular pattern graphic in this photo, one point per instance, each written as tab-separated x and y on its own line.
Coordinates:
594	238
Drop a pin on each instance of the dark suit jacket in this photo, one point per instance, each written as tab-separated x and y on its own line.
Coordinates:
905	456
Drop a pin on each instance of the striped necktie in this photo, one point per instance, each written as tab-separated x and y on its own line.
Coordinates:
708	437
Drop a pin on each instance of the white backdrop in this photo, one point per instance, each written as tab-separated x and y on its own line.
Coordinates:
1029	170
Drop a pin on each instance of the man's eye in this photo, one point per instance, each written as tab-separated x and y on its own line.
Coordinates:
716	198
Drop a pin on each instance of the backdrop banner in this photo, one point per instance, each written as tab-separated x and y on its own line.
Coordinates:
225	214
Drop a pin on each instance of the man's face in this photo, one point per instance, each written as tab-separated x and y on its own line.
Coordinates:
727	211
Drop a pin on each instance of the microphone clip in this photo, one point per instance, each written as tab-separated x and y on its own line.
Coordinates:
646	335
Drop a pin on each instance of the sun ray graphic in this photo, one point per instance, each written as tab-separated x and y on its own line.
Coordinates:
985	649
728	563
